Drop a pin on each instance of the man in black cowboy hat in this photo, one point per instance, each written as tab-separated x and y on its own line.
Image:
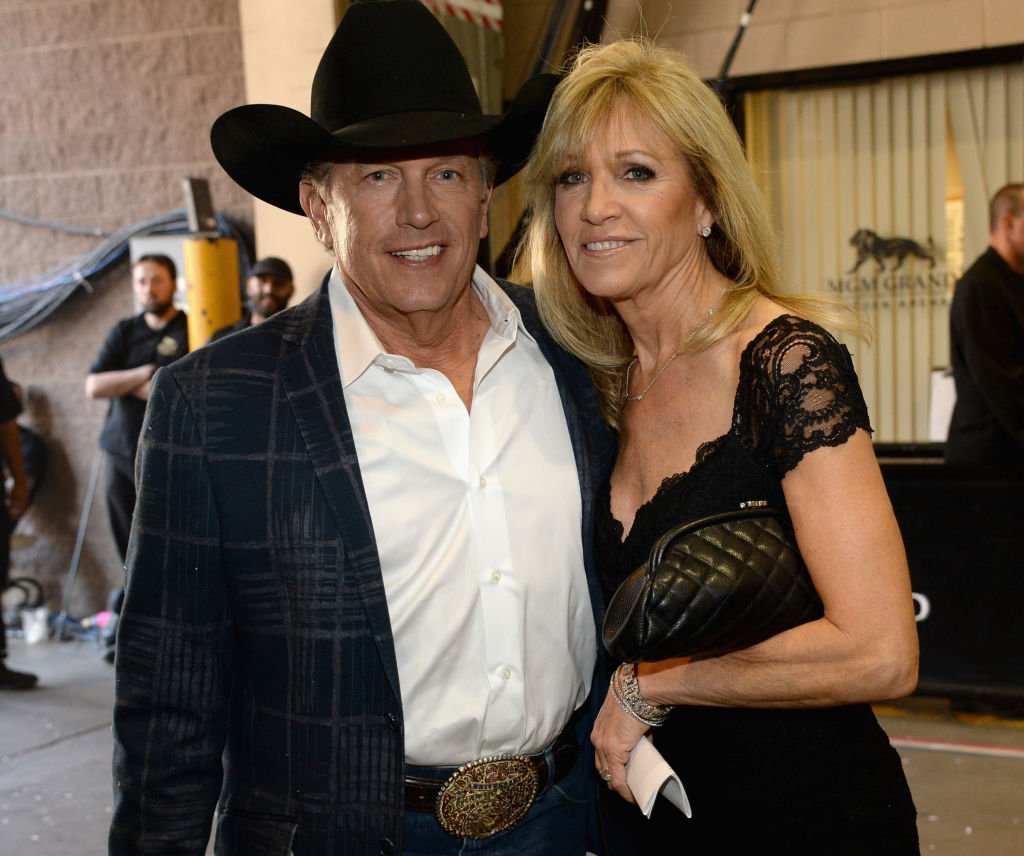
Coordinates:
361	608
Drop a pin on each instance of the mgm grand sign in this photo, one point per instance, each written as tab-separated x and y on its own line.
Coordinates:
898	272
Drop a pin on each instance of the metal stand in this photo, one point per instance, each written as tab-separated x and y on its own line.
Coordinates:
83	525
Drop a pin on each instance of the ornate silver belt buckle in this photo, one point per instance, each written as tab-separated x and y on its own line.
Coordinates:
485	797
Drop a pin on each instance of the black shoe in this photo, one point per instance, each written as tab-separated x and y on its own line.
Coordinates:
12	680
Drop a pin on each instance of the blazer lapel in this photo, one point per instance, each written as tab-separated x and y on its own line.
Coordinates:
312	382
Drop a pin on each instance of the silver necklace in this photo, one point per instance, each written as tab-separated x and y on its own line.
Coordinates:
699	326
629	372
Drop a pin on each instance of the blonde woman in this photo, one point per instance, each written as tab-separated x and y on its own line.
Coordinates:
653	261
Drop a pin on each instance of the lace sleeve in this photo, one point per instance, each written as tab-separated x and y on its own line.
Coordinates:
798	391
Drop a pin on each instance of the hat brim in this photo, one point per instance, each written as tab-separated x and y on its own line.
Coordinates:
266	147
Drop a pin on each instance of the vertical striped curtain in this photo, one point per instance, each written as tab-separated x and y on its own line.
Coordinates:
857	176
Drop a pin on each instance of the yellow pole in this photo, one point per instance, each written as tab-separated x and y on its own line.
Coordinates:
212	290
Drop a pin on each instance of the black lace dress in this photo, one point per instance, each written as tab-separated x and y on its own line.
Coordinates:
821	780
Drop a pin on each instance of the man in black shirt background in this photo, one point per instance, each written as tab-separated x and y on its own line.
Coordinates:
986	431
134	349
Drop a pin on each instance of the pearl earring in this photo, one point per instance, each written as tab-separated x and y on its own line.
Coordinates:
705	231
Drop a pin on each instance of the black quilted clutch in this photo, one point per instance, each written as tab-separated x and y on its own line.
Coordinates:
712	586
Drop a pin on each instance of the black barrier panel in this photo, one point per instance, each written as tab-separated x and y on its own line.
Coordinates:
965	543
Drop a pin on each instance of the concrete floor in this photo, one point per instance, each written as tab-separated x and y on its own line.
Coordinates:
966	772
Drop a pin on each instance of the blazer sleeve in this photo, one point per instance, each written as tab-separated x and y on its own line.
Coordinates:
173	646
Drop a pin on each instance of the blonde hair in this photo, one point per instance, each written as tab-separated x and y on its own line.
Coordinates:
658	85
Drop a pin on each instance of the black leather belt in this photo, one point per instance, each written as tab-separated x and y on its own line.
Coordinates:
485	797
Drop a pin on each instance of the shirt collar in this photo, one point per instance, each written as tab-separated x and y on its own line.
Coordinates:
358	347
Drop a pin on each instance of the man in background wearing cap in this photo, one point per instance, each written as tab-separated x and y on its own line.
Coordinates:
269	287
361	606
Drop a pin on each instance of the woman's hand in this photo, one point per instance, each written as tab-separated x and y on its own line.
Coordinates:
615	734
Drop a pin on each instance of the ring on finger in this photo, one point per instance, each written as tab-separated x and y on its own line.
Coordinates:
605	774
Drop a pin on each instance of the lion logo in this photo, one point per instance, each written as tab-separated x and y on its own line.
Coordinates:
871	245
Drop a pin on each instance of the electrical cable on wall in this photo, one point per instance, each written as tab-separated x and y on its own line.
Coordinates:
26	303
67	228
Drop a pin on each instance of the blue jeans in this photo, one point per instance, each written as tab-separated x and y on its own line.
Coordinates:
555	825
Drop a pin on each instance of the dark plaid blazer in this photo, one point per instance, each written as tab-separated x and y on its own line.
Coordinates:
255	662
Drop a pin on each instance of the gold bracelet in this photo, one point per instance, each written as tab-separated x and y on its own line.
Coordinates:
626	689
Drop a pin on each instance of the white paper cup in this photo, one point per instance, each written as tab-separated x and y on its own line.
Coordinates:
36	624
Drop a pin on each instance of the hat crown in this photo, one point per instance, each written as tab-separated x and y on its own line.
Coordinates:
389	57
391	78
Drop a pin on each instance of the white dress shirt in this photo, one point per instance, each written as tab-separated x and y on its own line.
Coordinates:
477	519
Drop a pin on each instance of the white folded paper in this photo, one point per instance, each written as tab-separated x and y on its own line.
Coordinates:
648	774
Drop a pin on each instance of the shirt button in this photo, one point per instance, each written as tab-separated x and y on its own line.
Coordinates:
483	482
495	577
505	673
441	398
393	722
387	847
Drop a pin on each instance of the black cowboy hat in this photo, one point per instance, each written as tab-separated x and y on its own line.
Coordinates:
390	78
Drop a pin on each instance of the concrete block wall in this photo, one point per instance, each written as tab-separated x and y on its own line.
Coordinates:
104	106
